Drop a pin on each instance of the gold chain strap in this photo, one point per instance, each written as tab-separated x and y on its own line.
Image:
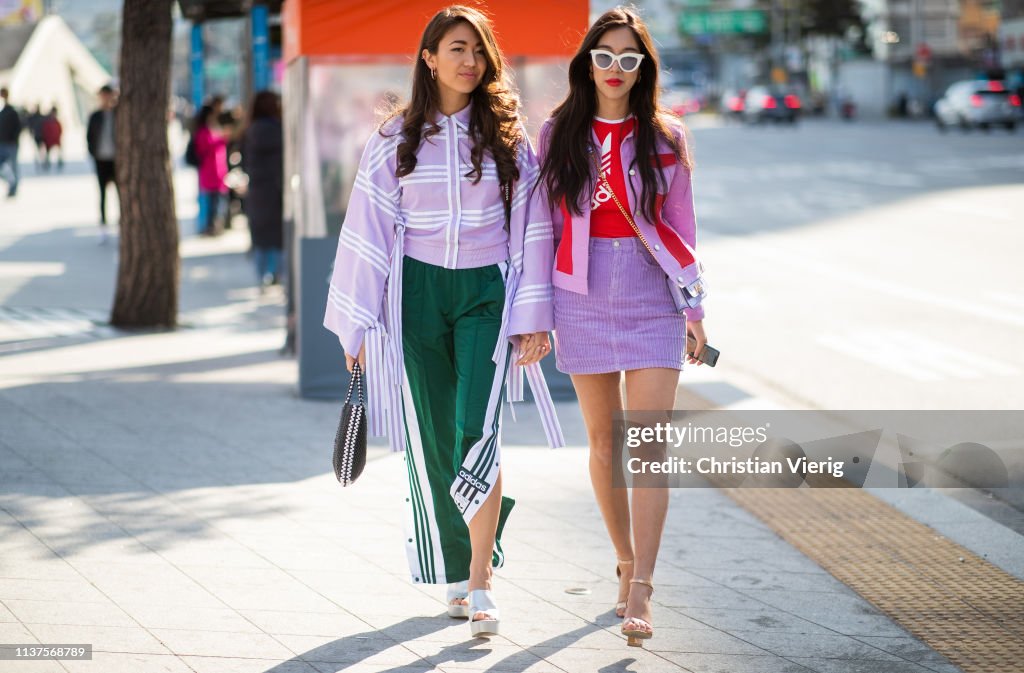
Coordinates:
625	213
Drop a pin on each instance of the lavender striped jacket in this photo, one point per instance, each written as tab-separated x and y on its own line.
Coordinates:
438	216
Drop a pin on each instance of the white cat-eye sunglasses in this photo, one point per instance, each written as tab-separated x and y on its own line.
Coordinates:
604	59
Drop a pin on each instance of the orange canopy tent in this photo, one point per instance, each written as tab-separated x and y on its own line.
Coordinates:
530	28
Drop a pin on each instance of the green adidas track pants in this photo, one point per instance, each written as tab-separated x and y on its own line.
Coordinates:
452	394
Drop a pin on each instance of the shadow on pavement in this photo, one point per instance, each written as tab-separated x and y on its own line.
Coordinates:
351	650
87	278
33	172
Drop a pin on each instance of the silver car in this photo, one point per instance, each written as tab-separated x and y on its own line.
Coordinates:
978	104
762	104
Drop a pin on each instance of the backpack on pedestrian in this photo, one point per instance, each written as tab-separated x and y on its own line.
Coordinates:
191	155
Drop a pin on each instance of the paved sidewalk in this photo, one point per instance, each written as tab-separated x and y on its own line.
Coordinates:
168	498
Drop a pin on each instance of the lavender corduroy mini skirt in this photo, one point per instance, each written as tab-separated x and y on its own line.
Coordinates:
626	321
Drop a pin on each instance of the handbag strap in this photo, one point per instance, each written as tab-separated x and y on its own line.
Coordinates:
625	213
355	382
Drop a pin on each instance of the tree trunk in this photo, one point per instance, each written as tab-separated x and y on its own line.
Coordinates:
147	276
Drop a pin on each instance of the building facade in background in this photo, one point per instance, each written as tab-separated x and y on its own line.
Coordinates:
1011	39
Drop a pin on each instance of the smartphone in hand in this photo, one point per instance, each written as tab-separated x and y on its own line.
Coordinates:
708	355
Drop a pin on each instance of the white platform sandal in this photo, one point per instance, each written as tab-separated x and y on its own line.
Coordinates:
457	591
480	600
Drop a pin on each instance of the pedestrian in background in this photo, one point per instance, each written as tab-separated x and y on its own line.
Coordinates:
263	163
35	129
52	133
211	152
610	154
10	132
101	141
232	123
467	299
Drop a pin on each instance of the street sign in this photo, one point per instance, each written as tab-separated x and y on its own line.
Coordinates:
723	23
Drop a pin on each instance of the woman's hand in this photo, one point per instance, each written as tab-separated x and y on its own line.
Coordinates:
349	360
533	347
695	330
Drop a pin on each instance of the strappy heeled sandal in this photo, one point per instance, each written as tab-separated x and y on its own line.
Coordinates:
635	636
621	606
458	591
480	600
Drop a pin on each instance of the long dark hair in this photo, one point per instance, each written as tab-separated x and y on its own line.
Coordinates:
568	168
494	123
265	105
202	118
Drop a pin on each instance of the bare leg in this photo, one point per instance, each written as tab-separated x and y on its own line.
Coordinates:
648	390
482	531
600	398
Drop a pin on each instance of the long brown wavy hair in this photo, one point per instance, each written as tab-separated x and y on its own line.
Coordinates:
494	123
568	168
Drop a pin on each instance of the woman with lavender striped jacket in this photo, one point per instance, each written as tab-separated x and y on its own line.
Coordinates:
444	305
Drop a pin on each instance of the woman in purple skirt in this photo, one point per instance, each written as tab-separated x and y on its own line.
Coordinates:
615	165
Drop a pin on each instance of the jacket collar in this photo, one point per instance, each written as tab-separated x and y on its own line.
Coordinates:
461	118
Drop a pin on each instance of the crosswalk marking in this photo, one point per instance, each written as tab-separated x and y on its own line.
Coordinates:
915	356
976	210
960	165
864	172
801	261
26	323
1012	300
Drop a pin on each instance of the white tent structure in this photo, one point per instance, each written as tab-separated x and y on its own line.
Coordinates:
45	64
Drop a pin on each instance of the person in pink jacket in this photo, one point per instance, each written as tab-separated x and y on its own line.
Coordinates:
211	150
617	171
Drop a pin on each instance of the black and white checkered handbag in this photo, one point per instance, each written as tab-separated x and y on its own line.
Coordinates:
350	441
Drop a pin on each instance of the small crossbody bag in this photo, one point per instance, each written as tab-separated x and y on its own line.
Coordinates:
685	296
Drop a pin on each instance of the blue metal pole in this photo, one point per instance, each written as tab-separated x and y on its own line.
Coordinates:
260	48
198	93
196	61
